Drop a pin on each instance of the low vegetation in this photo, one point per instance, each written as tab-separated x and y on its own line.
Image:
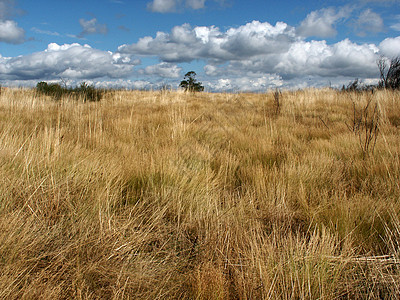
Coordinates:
155	195
83	92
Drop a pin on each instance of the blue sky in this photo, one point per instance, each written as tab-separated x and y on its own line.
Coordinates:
232	45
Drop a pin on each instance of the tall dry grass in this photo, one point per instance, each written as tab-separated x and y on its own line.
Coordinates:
155	195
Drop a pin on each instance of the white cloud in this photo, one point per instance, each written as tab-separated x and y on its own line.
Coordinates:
72	61
368	21
258	48
9	30
350	59
11	33
92	27
163	69
303	59
321	23
258	38
390	47
185	44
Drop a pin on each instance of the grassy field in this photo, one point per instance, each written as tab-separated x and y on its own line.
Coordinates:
157	195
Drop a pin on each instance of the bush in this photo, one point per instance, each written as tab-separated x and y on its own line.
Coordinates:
53	89
88	92
84	91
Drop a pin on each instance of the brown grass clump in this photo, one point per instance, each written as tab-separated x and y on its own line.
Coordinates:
158	195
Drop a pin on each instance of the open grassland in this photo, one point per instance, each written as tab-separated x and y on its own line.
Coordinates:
154	195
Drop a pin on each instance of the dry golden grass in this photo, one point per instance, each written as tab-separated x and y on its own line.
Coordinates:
157	195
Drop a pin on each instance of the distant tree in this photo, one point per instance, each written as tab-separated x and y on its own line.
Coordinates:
390	73
189	83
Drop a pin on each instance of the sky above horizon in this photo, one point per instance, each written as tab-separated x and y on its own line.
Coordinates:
232	45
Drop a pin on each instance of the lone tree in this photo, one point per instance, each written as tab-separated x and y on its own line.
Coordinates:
190	83
390	73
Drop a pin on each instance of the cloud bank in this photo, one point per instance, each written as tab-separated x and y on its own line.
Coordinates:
185	44
72	61
260	48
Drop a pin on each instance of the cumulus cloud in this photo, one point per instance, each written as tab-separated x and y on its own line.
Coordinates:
92	27
315	58
367	22
258	48
72	61
163	69
11	33
9	30
185	43
390	47
321	23
350	59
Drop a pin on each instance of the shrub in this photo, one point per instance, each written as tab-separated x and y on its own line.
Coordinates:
88	92
53	89
84	91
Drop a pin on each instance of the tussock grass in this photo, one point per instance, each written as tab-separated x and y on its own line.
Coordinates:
154	195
